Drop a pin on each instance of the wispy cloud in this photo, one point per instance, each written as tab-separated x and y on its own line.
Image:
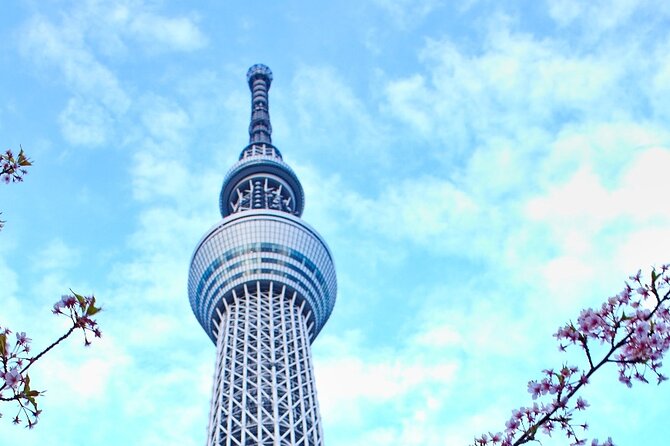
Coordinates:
406	13
601	16
167	33
76	46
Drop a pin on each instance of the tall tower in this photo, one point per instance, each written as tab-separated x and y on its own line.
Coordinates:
262	284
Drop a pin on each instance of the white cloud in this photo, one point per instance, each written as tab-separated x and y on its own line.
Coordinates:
156	176
76	46
408	99
600	16
115	26
420	393
160	158
64	46
81	378
588	219
351	380
407	13
518	100
139	21
330	112
12	306
167	33
659	85
87	118
513	85
164	120
422	210
85	123
439	336
565	11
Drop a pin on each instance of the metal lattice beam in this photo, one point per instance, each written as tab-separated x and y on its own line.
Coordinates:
264	391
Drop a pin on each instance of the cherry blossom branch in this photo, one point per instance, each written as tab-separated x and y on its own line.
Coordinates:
636	330
16	359
12	169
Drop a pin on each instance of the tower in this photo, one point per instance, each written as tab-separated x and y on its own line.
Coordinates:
262	285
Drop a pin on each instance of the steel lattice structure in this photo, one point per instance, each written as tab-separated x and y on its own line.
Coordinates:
262	284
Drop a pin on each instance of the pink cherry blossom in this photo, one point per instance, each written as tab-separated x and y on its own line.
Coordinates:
12	378
631	330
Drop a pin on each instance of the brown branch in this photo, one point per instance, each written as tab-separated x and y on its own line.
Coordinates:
46	350
17	396
529	434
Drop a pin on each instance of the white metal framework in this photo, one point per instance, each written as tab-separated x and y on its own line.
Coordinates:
264	392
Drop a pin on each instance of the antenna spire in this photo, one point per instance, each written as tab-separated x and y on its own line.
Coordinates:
259	77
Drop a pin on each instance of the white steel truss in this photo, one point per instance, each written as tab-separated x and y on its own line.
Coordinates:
262	192
264	392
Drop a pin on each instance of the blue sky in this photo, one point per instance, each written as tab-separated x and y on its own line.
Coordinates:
481	171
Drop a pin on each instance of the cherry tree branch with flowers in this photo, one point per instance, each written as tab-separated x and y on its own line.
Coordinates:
633	332
15	359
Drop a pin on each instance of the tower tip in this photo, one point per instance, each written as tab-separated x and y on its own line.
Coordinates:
259	71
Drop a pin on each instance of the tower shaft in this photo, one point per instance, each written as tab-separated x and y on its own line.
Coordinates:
264	391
